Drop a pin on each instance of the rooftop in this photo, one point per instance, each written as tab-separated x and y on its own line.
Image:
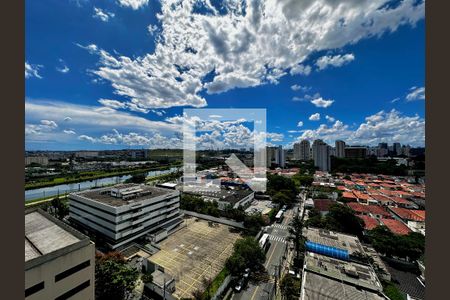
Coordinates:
318	287
396	226
323	205
45	235
372	209
369	222
334	239
343	271
123	194
230	196
409	214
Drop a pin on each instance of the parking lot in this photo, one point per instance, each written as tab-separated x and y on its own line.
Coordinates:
195	252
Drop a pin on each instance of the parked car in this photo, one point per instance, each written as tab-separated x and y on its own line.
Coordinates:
240	285
246	273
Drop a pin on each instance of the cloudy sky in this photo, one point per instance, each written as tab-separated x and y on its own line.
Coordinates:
114	74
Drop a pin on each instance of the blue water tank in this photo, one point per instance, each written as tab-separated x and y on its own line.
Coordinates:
327	250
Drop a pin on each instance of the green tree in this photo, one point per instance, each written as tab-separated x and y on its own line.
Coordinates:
114	278
296	230
342	218
246	254
281	199
59	208
290	287
137	178
147	278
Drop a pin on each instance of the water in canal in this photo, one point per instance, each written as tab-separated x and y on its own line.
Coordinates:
62	189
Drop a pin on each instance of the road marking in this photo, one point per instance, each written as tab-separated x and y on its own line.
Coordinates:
273	251
254	293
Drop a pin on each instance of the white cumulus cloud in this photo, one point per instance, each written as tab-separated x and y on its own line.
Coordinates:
213	48
32	70
336	61
383	126
320	102
134	4
315	117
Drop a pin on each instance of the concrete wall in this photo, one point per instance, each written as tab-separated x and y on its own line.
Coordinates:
47	271
222	288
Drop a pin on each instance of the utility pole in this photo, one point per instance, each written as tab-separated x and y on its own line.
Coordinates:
164	289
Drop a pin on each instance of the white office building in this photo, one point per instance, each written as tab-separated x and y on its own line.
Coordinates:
126	212
59	261
321	155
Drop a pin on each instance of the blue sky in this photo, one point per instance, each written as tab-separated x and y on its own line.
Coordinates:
117	74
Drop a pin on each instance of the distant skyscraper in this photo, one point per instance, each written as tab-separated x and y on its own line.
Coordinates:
280	157
321	155
340	149
383	146
397	148
305	150
297	147
270	155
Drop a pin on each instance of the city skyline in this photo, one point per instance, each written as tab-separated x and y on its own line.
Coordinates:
110	81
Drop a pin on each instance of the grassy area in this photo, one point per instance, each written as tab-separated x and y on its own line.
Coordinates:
89	176
37	202
393	292
217	282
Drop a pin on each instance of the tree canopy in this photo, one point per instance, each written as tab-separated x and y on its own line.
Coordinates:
339	218
246	254
384	241
114	278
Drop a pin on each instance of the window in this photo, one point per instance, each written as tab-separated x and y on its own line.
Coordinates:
34	289
72	270
74	291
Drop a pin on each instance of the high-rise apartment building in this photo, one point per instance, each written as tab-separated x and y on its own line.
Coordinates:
280	157
321	155
340	149
297	147
304	150
397	148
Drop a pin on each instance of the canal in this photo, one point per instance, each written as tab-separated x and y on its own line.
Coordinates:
62	189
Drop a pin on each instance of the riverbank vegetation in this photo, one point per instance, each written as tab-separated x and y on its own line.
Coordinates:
90	175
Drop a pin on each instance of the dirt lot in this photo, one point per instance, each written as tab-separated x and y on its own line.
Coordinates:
195	252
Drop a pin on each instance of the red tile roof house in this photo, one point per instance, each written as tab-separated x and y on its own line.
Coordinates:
363	198
323	205
414	219
349	196
401	202
395	226
374	211
369	222
408	214
381	199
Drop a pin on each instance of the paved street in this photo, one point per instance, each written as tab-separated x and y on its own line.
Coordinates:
279	238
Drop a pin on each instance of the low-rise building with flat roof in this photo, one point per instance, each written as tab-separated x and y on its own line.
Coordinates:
334	244
59	261
224	198
326	278
125	212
